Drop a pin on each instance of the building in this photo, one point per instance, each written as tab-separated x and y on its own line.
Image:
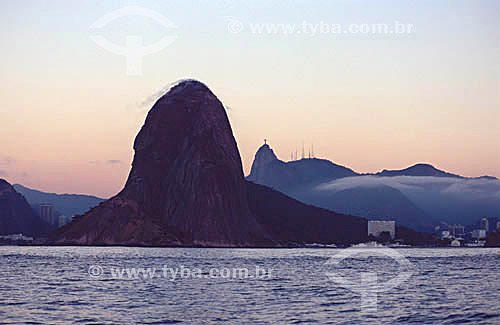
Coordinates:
377	227
485	225
47	213
479	234
498	226
457	231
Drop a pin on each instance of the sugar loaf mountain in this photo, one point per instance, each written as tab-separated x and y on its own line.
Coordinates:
187	188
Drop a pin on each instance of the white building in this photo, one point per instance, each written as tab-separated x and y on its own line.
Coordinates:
479	234
377	227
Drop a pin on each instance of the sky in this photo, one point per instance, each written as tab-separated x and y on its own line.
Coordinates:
370	101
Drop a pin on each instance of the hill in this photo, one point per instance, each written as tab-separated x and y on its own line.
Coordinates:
16	215
67	204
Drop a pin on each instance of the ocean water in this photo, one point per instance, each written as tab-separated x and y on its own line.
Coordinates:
124	285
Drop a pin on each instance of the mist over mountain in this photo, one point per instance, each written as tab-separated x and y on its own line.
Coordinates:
16	215
450	199
427	170
380	202
304	179
418	196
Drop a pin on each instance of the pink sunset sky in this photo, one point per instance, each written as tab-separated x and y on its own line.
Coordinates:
70	112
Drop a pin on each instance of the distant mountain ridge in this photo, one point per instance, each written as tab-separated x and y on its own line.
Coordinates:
417	197
381	203
329	170
67	204
422	169
418	170
300	179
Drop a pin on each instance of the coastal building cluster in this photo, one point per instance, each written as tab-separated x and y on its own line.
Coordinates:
459	235
16	238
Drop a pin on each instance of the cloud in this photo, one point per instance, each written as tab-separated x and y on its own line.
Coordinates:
480	188
108	162
151	99
114	162
399	182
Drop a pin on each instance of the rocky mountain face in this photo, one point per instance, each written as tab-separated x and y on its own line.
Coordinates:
16	215
264	156
186	186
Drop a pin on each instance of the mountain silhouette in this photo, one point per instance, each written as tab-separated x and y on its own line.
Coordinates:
186	188
16	215
417	197
268	170
418	170
302	180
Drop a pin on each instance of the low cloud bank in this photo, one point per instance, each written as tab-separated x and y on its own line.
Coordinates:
470	188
